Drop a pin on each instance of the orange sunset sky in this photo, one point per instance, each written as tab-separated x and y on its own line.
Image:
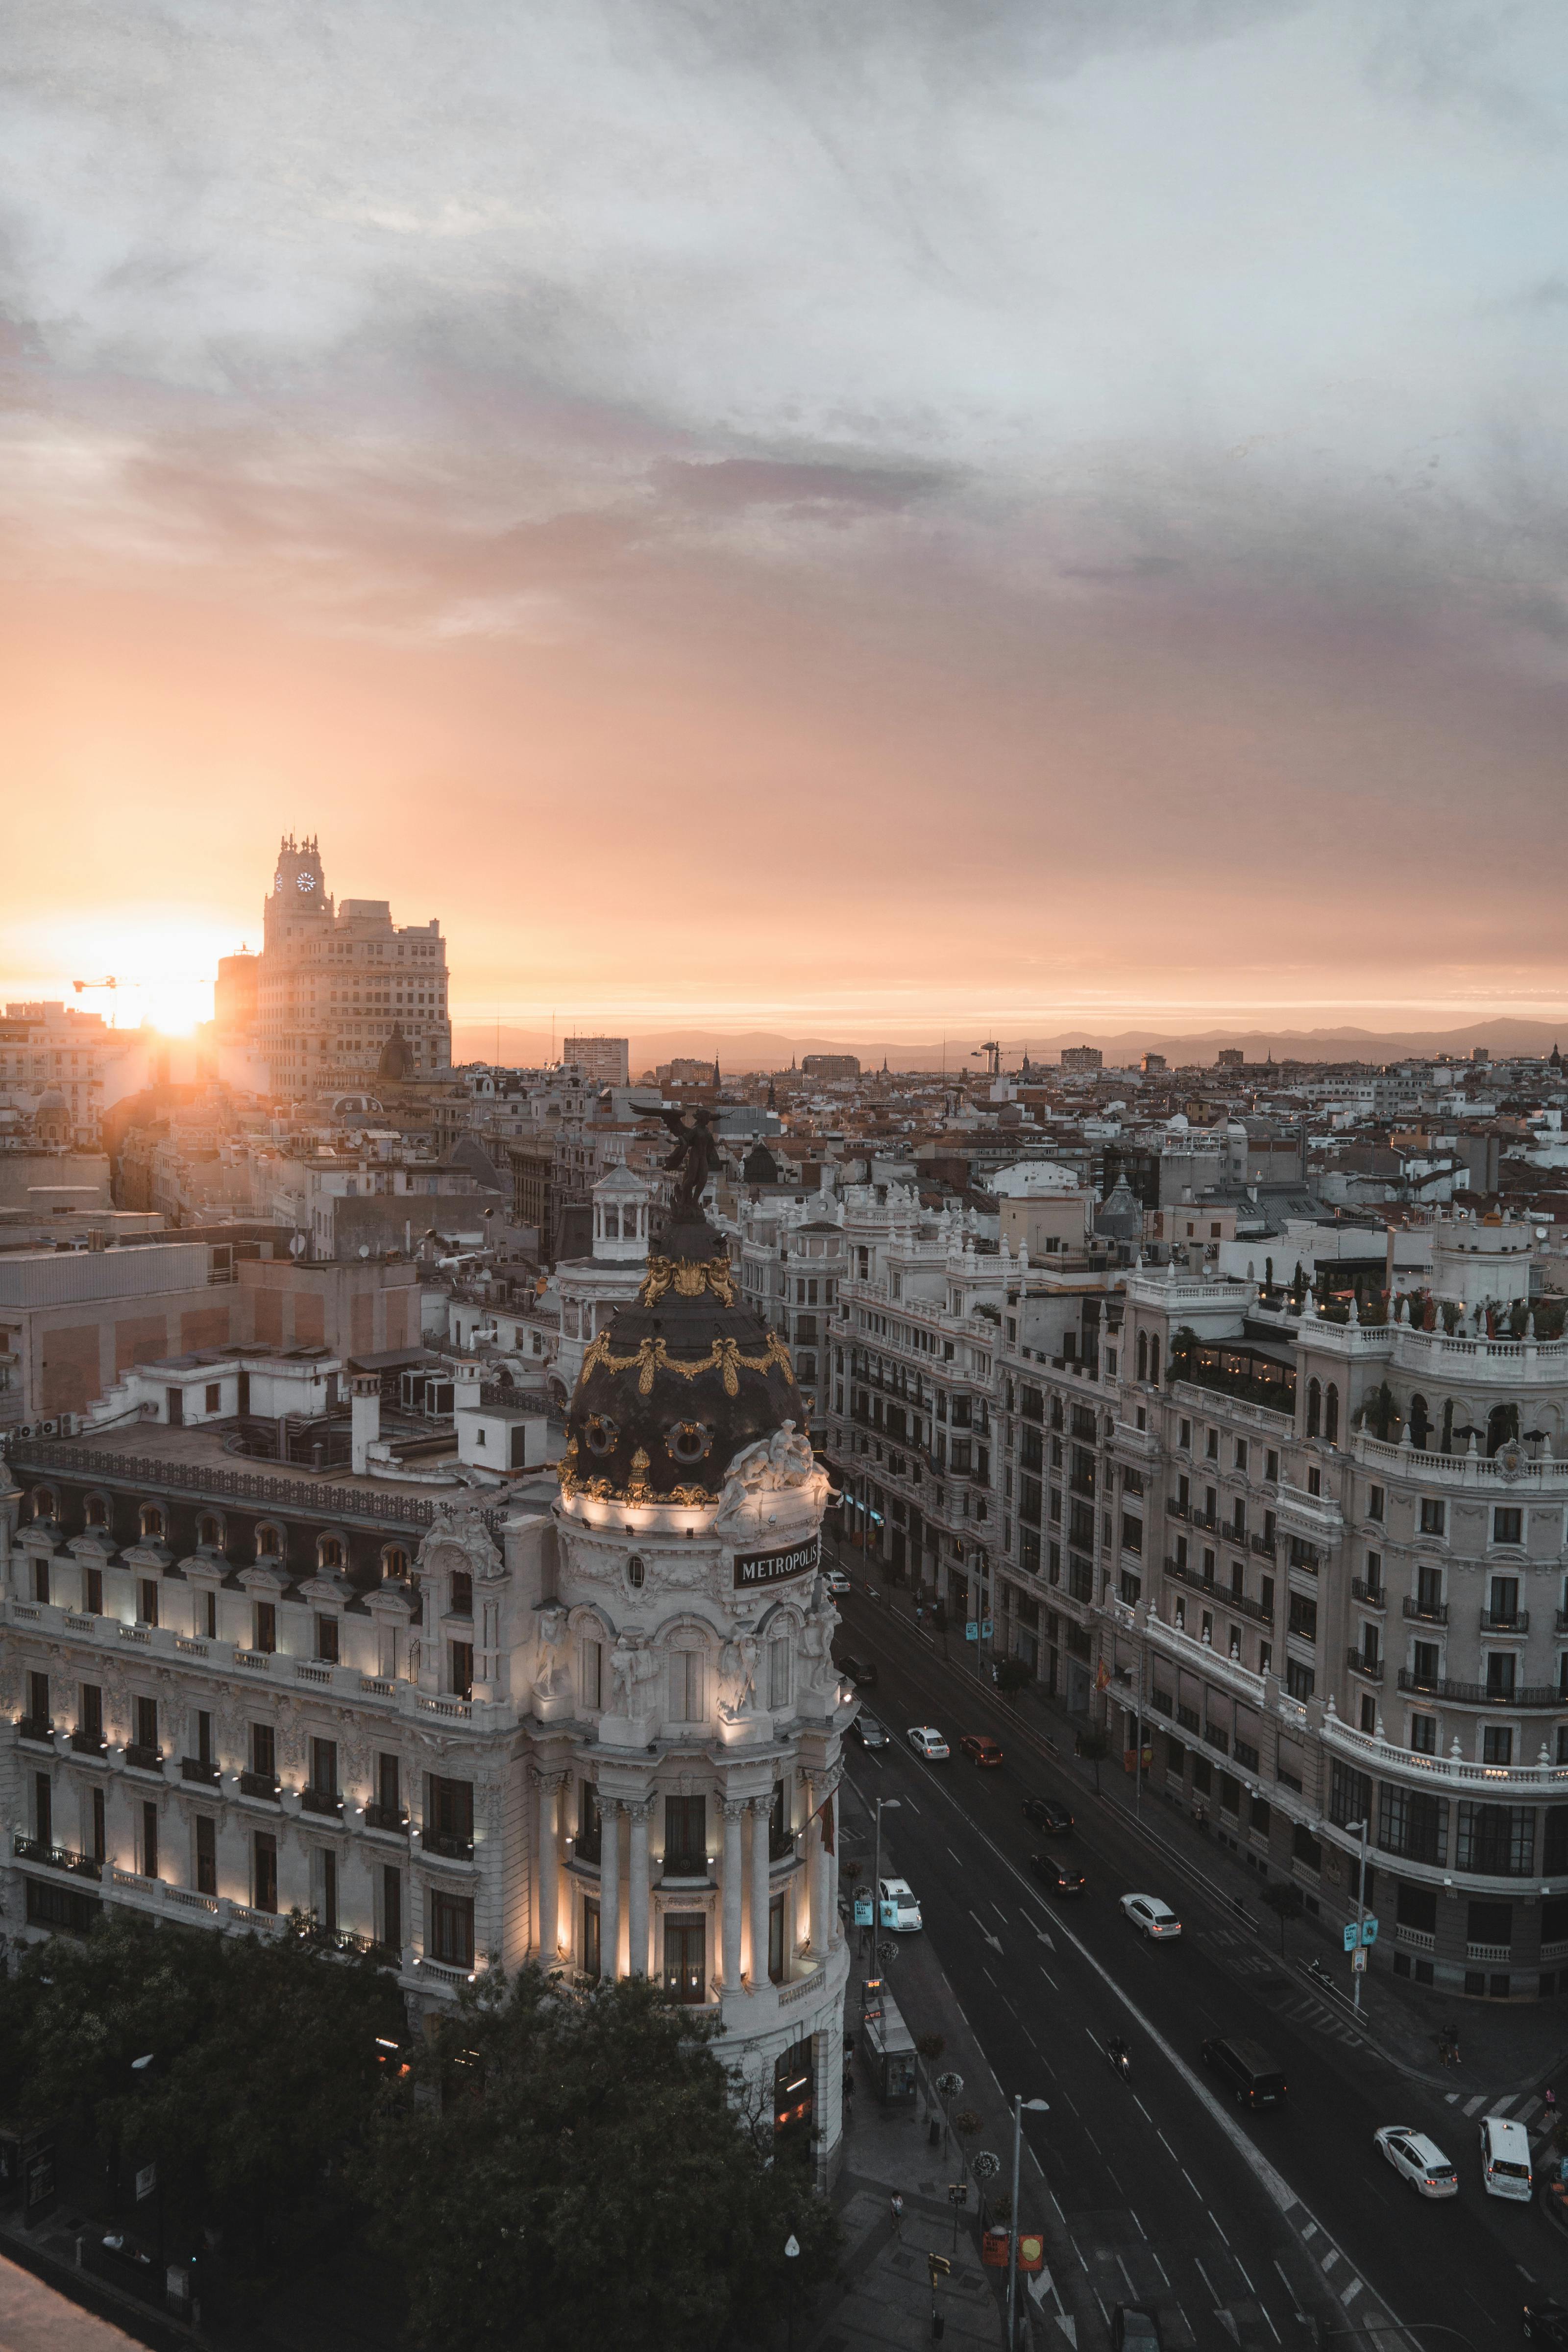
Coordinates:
868	521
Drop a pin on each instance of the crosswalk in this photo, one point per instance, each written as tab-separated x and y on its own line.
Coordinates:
1516	2106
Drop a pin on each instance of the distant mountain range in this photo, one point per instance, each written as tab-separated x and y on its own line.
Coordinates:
760	1049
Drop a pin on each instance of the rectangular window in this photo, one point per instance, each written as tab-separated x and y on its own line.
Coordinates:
264	1857
1132	1534
388	1788
324	1767
39	1702
776	1939
204	1736
1299	1680
263	1751
686	1837
93	1594
1508	1525
149	1840
450	1814
1350	1795
207	1854
1424	1735
1497	1840
589	1838
41	1581
327	1639
461	1655
685	1958
1434	1516
1413	1823
778	1672
1305	1848
1304	1616
1497	1744
452	1929
1374	1502
590	1668
686	1686
43	1809
209	1615
146	1720
266	1630
391	1907
147	1601
592	1967
100	1837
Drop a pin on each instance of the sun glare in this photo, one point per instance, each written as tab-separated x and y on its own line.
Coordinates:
173	1007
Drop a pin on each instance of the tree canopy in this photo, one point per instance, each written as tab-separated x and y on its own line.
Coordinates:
583	2175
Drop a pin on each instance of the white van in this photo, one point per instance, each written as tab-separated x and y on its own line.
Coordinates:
1505	2158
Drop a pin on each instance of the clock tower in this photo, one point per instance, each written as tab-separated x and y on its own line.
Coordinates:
298	892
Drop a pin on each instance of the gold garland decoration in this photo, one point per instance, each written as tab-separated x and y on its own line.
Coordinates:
651	1356
688	1278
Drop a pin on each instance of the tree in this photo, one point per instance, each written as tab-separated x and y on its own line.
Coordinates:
265	2068
1094	1747
581	2175
1285	1899
1012	1675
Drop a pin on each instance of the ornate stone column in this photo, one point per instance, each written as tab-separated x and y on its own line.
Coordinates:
637	1888
761	1808
821	1874
735	1810
609	1887
550	1785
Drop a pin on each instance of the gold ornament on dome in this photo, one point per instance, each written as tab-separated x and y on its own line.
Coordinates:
637	1488
566	1469
688	1278
651	1356
690	1498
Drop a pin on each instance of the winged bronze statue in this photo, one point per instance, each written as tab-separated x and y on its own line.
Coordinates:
695	1154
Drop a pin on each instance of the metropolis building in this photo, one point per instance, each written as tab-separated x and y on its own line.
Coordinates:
589	1718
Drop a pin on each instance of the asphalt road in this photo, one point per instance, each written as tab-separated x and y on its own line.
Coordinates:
1243	2228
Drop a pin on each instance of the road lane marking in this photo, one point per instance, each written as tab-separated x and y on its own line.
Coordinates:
911	1804
1142	2232
1241	2266
1047	1976
1289	2290
1472	2105
1310	2229
1207	2280
1268	2315
1501	2106
1210	2213
1330	2258
959	1859
1350	2292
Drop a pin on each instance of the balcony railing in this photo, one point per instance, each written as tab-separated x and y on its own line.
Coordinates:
1371	1596
1532	1696
1225	1595
1369	1669
143	1758
1517	1622
450	1848
1264	1546
1425	1612
259	1784
57	1857
154	1473
321	1801
36	1727
386	1817
199	1768
88	1742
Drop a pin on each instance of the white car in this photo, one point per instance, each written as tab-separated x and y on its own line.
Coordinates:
1420	2159
837	1582
896	1905
929	1743
1151	1917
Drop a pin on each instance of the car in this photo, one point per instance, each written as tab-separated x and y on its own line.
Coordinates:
1151	1917
1418	2159
836	1582
980	1748
1135	2328
927	1741
1548	2320
897	1905
870	1592
869	1731
1059	1876
860	1671
1054	1821
1505	2159
1257	2079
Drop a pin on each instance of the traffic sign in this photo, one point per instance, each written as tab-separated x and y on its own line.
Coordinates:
972	1630
1351	1935
1369	1931
985	1628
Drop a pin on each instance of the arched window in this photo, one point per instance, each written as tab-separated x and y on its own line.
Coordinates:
152	1523
97	1511
1332	1413
394	1561
329	1552
209	1532
1314	1408
1502	1427
462	1593
44	1504
269	1543
1448	1425
1155	1359
1420	1424
1142	1355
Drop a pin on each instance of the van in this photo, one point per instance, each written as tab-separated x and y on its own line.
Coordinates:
1256	2080
1505	2158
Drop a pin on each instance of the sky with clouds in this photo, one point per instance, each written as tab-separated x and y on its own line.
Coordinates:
851	513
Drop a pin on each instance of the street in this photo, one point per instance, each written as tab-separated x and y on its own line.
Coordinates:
1239	2227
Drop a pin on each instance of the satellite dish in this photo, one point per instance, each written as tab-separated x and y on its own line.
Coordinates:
364	1249
296	1246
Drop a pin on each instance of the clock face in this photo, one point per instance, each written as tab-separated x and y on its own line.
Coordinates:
276	884
305	881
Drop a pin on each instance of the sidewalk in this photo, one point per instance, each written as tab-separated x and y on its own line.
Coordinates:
885	2298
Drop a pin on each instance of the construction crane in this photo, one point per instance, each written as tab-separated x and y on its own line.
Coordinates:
110	982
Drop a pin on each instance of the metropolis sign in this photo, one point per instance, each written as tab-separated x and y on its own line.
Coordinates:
771	1566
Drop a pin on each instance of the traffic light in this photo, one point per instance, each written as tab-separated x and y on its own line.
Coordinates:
940	2267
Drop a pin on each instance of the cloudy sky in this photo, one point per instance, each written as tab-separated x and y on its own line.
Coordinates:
888	514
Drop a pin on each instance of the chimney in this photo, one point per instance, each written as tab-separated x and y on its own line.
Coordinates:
364	1389
467	1377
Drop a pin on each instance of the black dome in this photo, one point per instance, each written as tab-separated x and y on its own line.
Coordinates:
682	1381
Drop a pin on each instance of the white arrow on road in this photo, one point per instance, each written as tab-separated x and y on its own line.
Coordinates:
995	1941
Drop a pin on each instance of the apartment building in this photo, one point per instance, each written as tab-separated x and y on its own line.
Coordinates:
790	1256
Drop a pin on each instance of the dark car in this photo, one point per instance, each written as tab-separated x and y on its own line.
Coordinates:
1134	2330
860	1671
1059	1876
1548	2320
1041	1814
869	1731
979	1748
1257	2079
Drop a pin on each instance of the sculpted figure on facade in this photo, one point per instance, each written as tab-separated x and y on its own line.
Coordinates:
737	1664
552	1676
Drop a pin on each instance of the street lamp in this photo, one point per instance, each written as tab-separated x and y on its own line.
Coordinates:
792	2249
1040	2108
1359	1829
892	1806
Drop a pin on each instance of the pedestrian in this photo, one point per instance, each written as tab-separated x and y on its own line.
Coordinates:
1550	2104
897	2204
848	2082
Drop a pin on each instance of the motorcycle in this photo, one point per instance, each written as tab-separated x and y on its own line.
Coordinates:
1120	2058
